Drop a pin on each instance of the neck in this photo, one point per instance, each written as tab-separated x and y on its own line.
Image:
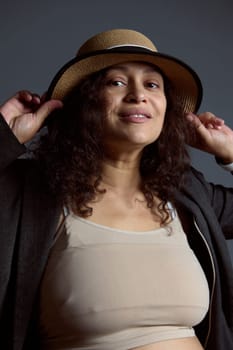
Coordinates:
121	175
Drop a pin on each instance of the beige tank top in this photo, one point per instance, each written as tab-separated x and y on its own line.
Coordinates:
105	288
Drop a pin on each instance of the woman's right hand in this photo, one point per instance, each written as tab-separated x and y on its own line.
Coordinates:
25	113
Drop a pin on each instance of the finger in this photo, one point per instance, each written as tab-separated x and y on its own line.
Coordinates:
208	120
196	122
35	99
31	101
28	98
211	121
43	97
201	130
218	123
24	95
46	109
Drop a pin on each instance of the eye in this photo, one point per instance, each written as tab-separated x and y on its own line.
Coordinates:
152	85
117	82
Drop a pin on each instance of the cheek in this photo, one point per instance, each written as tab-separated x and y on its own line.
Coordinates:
109	105
160	102
163	109
164	104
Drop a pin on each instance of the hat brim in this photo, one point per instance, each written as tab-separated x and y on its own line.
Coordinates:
186	84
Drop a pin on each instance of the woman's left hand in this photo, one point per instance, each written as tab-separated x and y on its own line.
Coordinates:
212	136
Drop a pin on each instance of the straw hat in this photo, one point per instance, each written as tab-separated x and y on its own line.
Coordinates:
121	45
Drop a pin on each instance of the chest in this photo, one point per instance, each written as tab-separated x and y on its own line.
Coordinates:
117	280
125	215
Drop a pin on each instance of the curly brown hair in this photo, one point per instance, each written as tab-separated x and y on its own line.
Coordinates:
71	153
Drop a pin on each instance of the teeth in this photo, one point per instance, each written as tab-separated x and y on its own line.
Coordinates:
138	115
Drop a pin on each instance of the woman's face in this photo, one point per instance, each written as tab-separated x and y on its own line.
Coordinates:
135	103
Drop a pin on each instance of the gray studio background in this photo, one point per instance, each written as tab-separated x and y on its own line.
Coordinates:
38	37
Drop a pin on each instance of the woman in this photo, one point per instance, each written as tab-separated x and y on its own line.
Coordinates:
110	239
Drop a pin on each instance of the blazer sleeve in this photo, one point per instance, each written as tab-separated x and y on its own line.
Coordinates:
10	147
221	199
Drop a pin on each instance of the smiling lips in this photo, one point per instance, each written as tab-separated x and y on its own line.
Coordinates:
135	116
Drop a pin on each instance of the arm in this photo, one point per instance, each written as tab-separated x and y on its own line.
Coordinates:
220	199
25	113
10	148
21	117
212	136
216	138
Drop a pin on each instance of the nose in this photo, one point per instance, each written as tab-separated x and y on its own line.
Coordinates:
135	94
